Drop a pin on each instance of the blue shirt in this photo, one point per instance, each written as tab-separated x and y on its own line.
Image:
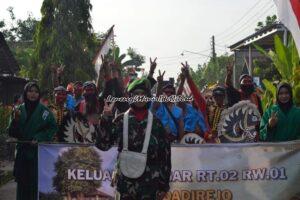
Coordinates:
70	104
163	115
192	118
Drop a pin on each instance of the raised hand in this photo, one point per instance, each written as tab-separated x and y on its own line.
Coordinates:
115	69
181	77
273	120
16	114
229	68
108	108
153	65
60	70
228	79
105	67
185	65
185	69
160	77
34	142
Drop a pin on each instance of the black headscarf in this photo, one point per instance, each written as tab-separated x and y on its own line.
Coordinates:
285	106
30	105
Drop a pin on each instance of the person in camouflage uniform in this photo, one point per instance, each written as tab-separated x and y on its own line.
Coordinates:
154	182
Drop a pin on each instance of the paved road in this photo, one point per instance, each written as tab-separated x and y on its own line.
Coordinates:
8	191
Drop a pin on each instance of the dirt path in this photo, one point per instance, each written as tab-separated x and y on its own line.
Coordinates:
8	191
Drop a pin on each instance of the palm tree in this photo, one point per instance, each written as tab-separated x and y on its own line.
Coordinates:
287	62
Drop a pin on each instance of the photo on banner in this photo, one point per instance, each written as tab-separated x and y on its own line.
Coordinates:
69	171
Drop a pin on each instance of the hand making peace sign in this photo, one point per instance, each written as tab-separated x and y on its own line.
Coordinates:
153	65
108	109
185	69
160	77
273	119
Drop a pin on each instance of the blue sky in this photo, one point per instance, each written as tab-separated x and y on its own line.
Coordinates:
165	28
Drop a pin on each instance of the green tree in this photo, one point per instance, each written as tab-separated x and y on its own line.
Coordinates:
85	158
18	30
268	21
26	28
64	37
197	75
9	31
264	68
19	35
212	72
137	58
286	60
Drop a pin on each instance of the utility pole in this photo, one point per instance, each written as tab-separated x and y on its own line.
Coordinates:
213	48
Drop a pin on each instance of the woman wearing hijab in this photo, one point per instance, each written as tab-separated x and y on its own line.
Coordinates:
281	121
30	123
134	130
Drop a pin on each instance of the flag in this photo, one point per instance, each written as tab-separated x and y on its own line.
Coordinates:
104	48
186	89
289	15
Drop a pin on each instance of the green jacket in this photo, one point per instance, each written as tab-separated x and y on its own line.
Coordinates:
41	127
287	128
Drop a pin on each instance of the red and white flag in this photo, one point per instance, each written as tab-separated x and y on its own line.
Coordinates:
104	48
289	15
186	89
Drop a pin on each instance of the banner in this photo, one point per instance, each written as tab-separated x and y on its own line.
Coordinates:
199	172
70	171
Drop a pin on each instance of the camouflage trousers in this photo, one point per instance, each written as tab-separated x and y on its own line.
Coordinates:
142	196
131	191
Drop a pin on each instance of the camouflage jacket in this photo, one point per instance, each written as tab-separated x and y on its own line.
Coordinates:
158	167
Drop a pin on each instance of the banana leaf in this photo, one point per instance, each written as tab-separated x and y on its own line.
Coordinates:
270	87
128	63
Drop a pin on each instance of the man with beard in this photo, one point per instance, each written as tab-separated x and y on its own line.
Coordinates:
281	121
247	91
61	113
90	107
133	131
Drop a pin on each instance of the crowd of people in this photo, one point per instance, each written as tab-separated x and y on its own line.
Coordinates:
147	127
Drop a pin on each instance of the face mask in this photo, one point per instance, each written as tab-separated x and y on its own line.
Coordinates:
247	89
60	98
